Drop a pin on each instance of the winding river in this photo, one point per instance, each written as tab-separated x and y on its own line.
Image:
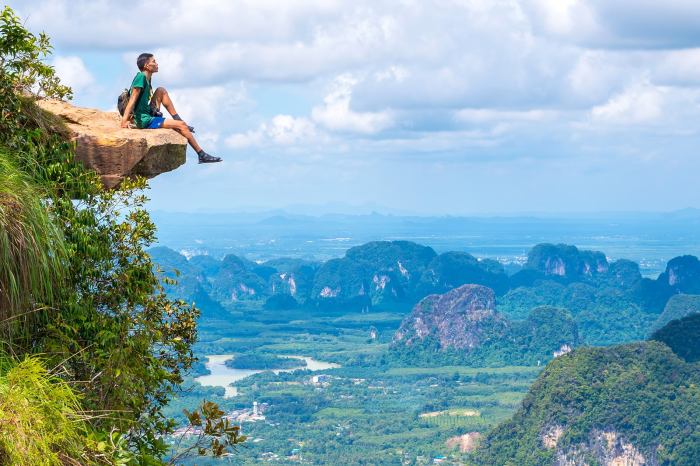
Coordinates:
222	376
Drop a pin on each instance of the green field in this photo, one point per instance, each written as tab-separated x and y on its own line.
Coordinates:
369	412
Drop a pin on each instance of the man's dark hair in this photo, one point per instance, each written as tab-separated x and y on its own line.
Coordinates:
142	60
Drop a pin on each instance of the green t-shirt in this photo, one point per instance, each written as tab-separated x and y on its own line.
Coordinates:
142	110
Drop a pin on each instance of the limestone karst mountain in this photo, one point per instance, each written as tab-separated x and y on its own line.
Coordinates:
463	326
633	404
463	318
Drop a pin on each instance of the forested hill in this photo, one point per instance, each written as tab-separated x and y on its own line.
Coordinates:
609	301
91	348
463	326
633	404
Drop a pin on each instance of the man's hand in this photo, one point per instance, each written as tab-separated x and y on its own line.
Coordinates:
125	123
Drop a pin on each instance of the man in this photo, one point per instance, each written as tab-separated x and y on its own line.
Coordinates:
146	108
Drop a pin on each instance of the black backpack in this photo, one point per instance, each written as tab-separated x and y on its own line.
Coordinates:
123	101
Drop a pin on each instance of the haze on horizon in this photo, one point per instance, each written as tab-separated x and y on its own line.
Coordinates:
431	107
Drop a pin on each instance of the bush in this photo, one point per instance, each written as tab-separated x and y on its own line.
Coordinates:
42	423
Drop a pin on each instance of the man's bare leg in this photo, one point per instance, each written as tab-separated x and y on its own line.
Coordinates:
161	96
182	128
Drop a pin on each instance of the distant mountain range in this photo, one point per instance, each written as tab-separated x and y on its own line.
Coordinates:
632	403
610	302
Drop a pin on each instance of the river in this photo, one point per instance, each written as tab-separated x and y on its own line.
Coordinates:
222	376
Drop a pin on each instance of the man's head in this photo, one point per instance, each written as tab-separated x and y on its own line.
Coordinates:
146	62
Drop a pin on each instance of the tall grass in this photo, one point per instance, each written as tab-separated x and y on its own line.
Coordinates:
32	250
40	421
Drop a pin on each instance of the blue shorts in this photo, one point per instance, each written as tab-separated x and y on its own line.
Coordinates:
156	122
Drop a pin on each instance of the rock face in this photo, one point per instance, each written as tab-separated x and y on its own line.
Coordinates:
114	152
462	326
683	274
466	442
566	261
462	318
608	449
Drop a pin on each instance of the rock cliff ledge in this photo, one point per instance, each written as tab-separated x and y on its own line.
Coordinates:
114	152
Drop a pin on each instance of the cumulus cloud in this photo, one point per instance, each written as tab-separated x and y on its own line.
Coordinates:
208	104
636	24
434	81
678	67
336	114
284	130
641	103
73	72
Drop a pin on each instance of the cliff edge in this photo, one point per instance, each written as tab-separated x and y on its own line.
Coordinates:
114	152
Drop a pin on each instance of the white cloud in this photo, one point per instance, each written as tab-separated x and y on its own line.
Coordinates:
284	130
596	75
680	67
634	24
441	78
565	18
480	115
336	114
208	104
73	72
392	73
641	103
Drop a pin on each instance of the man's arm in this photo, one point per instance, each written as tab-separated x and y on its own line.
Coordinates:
135	92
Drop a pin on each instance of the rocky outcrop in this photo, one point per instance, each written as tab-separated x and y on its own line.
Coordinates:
464	326
682	275
462	318
608	448
562	260
550	436
116	153
466	442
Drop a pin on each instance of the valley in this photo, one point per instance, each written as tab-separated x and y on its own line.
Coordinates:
385	382
367	411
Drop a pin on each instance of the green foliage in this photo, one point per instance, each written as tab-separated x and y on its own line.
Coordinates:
32	251
682	336
68	241
641	391
23	72
341	278
677	307
566	261
453	269
263	361
544	331
217	435
281	301
117	329
605	311
237	279
516	343
38	415
41	421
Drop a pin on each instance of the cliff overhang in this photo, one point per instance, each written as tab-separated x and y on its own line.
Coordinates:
116	153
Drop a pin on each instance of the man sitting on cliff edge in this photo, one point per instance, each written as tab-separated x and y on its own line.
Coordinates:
146	108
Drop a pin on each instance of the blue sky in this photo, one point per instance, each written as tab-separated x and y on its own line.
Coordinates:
422	106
